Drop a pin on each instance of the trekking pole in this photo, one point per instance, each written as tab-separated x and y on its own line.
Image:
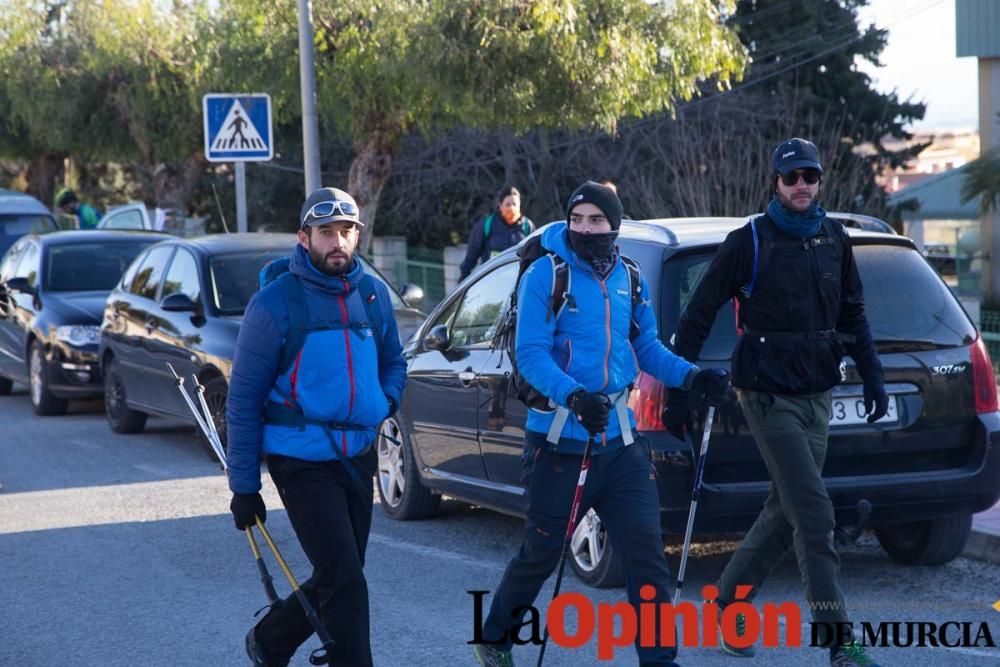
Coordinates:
695	492
570	528
320	656
199	389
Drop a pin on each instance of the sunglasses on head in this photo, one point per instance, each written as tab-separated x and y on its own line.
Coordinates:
810	176
325	209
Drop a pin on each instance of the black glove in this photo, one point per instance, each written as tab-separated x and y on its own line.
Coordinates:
246	506
591	409
709	386
677	415
876	400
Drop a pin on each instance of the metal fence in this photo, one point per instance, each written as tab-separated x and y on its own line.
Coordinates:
424	267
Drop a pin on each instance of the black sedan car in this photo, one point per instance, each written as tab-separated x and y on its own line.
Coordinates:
181	303
52	293
925	468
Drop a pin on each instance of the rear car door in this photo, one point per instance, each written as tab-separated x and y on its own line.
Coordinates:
443	385
131	216
11	361
139	324
177	336
23	308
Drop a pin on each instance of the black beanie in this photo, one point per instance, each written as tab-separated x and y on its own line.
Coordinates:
600	196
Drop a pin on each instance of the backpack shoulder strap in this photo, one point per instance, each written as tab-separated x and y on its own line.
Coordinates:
298	317
561	284
526	227
487	227
369	295
635	290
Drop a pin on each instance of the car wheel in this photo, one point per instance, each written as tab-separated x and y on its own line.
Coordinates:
43	402
933	542
5	386
402	495
216	393
121	418
592	556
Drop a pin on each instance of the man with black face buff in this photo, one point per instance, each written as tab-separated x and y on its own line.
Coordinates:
584	360
318	365
801	307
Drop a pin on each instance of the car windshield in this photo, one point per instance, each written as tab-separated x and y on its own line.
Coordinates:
89	266
905	301
15	225
235	276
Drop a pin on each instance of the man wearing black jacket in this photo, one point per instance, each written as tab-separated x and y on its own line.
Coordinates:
801	308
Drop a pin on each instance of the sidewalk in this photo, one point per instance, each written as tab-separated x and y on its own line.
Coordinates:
984	543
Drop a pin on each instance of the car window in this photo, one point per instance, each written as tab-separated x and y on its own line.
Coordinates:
681	276
906	300
234	278
476	319
28	266
130	219
182	277
10	260
89	266
130	272
147	278
16	225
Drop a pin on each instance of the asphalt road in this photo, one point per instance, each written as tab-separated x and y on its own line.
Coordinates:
120	550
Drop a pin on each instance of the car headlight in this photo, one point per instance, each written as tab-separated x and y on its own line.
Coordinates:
79	335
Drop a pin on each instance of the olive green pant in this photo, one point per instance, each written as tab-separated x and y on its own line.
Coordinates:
791	433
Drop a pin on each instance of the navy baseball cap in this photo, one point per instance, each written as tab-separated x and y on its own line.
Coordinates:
795	154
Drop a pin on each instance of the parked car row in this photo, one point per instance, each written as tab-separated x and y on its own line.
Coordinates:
101	313
925	469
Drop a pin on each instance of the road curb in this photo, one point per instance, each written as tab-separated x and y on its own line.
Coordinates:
983	544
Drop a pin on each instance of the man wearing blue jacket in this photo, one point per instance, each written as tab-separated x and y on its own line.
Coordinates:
315	421
584	361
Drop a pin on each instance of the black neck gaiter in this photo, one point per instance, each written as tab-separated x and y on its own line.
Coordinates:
590	247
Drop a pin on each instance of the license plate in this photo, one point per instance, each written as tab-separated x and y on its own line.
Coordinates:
850	410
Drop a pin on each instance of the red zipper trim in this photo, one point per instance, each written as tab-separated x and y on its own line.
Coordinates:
294	379
350	363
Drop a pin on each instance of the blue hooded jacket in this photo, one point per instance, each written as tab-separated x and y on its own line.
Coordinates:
586	347
339	376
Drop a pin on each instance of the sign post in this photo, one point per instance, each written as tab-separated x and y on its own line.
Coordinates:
238	130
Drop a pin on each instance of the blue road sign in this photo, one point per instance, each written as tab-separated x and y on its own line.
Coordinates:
237	127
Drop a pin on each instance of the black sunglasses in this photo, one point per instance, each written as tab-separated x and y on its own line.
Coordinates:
810	176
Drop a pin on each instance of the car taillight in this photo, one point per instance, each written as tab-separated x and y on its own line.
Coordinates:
647	402
984	382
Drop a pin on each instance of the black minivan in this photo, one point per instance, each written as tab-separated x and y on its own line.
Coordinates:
925	468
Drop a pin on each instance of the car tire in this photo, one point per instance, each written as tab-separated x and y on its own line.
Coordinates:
6	386
932	542
43	401
216	393
592	556
403	497
121	418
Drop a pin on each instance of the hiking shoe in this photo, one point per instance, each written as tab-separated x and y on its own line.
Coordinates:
851	655
741	630
257	654
491	656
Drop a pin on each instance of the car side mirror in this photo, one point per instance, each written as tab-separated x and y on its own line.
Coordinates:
20	284
178	303
413	295
437	338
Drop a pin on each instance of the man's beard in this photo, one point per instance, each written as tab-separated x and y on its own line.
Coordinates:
320	261
789	204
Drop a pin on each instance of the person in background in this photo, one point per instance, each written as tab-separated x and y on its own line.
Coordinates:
502	228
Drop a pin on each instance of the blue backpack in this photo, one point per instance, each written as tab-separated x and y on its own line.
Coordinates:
298	315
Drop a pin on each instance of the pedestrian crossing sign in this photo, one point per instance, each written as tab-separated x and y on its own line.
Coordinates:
238	127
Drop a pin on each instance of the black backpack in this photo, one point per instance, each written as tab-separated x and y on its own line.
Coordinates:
504	339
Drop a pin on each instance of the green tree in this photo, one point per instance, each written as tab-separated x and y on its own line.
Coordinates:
982	180
388	68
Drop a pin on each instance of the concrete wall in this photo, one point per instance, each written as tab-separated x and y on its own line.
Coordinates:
389	258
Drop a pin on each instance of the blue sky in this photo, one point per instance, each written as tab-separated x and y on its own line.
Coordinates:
919	60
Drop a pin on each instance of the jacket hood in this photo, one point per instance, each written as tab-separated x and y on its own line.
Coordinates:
303	267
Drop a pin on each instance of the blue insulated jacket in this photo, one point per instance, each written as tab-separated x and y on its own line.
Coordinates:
339	376
586	347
